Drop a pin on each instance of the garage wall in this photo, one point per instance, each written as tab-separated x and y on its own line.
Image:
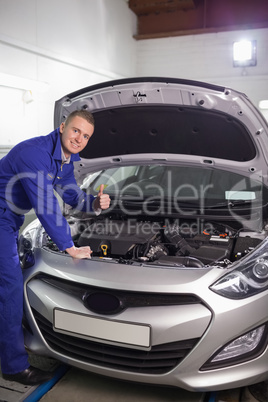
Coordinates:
207	57
53	47
49	48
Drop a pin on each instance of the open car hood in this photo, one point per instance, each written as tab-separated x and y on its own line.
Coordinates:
167	120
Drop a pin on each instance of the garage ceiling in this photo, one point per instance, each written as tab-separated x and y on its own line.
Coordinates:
162	18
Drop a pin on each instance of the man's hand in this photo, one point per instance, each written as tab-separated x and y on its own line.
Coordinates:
102	201
79	252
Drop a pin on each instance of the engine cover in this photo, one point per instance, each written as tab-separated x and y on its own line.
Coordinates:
118	236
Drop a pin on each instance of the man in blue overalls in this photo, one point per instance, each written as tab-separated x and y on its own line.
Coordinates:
29	174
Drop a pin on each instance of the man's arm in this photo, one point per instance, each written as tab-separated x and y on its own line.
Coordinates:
79	252
102	201
34	168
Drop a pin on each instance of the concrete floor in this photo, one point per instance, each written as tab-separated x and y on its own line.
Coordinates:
74	385
79	386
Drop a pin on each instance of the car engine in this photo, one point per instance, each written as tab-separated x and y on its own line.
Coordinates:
162	242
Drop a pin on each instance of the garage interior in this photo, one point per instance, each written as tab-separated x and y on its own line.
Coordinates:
43	57
165	18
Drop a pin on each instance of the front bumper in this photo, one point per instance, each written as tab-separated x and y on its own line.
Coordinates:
182	336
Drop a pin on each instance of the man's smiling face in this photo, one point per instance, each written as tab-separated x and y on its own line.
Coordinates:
75	135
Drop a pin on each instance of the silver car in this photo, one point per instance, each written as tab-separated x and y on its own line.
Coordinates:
176	291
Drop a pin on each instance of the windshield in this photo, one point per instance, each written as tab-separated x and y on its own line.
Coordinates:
181	186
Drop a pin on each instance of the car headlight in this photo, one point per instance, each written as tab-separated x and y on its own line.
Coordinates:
28	240
241	349
248	277
26	253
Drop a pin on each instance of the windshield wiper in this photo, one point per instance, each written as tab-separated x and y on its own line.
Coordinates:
231	204
157	201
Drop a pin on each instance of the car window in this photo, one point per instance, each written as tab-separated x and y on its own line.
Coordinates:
186	184
112	178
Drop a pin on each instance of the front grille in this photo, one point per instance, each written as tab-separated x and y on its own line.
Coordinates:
159	360
123	299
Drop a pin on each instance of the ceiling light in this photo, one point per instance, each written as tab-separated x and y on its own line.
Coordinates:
244	53
263	104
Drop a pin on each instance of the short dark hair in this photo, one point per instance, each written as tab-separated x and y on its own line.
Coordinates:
85	114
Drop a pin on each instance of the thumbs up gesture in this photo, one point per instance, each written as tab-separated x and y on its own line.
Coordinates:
102	201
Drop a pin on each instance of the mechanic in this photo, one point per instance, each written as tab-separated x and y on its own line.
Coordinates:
29	174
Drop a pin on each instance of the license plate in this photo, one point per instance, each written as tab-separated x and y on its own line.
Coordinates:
102	329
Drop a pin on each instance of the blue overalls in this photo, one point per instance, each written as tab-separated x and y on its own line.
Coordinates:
28	175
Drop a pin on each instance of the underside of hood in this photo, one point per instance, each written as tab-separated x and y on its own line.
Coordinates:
171	117
169	129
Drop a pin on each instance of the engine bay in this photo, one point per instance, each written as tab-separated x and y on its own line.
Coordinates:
189	243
